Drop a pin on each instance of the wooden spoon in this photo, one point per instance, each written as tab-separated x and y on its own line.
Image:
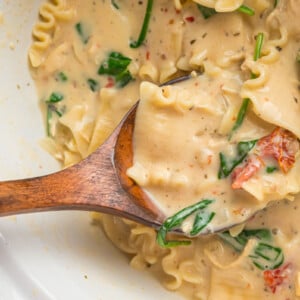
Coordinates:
98	183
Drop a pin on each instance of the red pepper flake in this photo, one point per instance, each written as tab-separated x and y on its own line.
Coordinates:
274	278
148	55
110	82
190	19
209	159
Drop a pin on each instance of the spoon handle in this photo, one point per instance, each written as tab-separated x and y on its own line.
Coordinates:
90	185
70	188
50	192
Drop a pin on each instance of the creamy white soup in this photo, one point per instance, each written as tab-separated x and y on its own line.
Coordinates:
209	151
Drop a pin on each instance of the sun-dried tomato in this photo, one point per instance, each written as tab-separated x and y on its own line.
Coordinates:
244	173
274	278
282	145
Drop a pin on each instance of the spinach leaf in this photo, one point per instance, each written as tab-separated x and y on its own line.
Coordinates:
208	12
55	97
116	65
240	117
82	33
227	165
143	33
115	4
93	84
62	77
271	169
201	221
264	256
244	107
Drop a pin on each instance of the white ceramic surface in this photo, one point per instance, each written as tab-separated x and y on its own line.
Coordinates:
48	255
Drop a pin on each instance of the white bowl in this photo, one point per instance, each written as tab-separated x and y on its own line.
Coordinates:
56	255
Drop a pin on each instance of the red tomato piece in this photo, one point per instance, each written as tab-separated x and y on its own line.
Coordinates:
274	278
190	19
110	82
282	145
244	173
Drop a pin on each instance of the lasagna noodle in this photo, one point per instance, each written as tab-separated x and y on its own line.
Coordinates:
44	31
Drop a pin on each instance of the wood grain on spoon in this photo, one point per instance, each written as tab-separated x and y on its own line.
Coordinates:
98	183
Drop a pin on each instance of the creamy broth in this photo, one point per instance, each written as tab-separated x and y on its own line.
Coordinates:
88	76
